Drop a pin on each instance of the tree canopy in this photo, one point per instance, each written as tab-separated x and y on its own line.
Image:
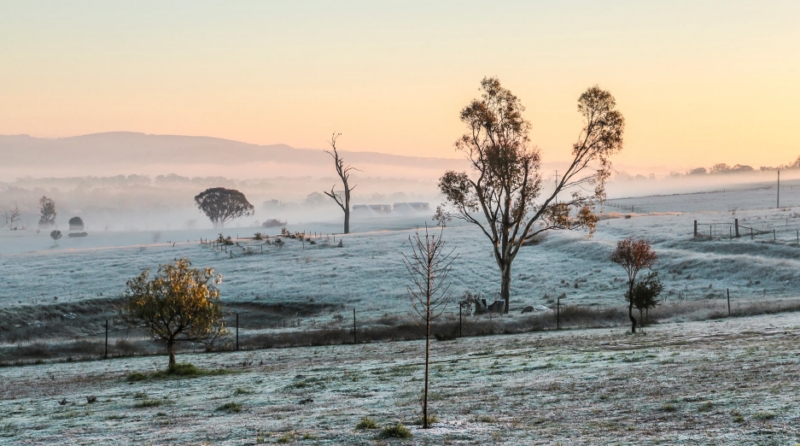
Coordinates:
501	194
179	303
223	205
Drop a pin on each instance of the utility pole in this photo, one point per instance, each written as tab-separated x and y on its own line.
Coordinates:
779	188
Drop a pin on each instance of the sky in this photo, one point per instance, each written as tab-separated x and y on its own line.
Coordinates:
699	82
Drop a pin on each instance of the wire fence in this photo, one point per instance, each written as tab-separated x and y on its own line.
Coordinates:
776	233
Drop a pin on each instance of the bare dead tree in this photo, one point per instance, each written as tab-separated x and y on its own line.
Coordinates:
502	196
12	216
344	174
428	265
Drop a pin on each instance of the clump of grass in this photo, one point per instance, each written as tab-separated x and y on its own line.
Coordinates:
183	370
8	430
737	416
395	431
431	419
763	416
486	419
705	407
286	438
147	403
230	407
136	376
669	407
366	423
240	391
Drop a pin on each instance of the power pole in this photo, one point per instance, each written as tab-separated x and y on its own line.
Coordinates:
779	188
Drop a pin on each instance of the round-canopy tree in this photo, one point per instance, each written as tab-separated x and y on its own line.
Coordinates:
223	205
179	303
76	224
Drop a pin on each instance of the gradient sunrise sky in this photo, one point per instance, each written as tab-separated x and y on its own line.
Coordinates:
699	82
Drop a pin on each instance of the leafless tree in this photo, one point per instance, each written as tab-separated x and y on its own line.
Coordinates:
344	174
12	216
502	196
428	265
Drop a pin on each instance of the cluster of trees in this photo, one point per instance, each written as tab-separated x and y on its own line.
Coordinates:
502	197
722	168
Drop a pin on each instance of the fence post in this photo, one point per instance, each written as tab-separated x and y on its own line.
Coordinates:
736	223
727	290
460	333
751	233
355	339
710	227
105	356
774	237
558	314
237	332
730	230
695	228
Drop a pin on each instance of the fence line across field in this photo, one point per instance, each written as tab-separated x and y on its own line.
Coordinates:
736	230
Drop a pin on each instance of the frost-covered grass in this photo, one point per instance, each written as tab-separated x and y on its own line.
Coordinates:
69	291
733	381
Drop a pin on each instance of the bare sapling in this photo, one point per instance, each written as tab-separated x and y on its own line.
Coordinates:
634	255
428	265
503	193
344	174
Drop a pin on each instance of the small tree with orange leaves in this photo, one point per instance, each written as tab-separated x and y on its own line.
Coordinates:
179	303
633	255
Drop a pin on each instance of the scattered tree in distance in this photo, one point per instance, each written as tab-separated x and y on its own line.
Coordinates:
76	224
55	235
634	255
178	304
344	175
428	266
48	212
12	216
500	196
223	205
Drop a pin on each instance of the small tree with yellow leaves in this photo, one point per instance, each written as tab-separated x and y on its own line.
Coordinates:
178	304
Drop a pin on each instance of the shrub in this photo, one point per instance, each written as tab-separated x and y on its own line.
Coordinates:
396	431
147	403
366	423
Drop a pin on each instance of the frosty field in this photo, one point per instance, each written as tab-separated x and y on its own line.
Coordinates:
686	380
731	381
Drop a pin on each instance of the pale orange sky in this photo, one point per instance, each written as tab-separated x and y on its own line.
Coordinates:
699	82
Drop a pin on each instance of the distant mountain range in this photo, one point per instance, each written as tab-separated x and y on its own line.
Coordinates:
138	149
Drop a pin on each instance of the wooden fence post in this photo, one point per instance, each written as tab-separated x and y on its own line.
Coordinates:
774	237
237	332
460	333
727	290
695	228
105	356
736	223
558	314
355	338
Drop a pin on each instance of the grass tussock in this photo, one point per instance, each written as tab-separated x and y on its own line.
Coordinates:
366	423
230	407
395	431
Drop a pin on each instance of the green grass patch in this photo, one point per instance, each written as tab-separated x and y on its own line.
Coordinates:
431	419
145	403
183	370
668	407
763	416
230	407
395	431
366	423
